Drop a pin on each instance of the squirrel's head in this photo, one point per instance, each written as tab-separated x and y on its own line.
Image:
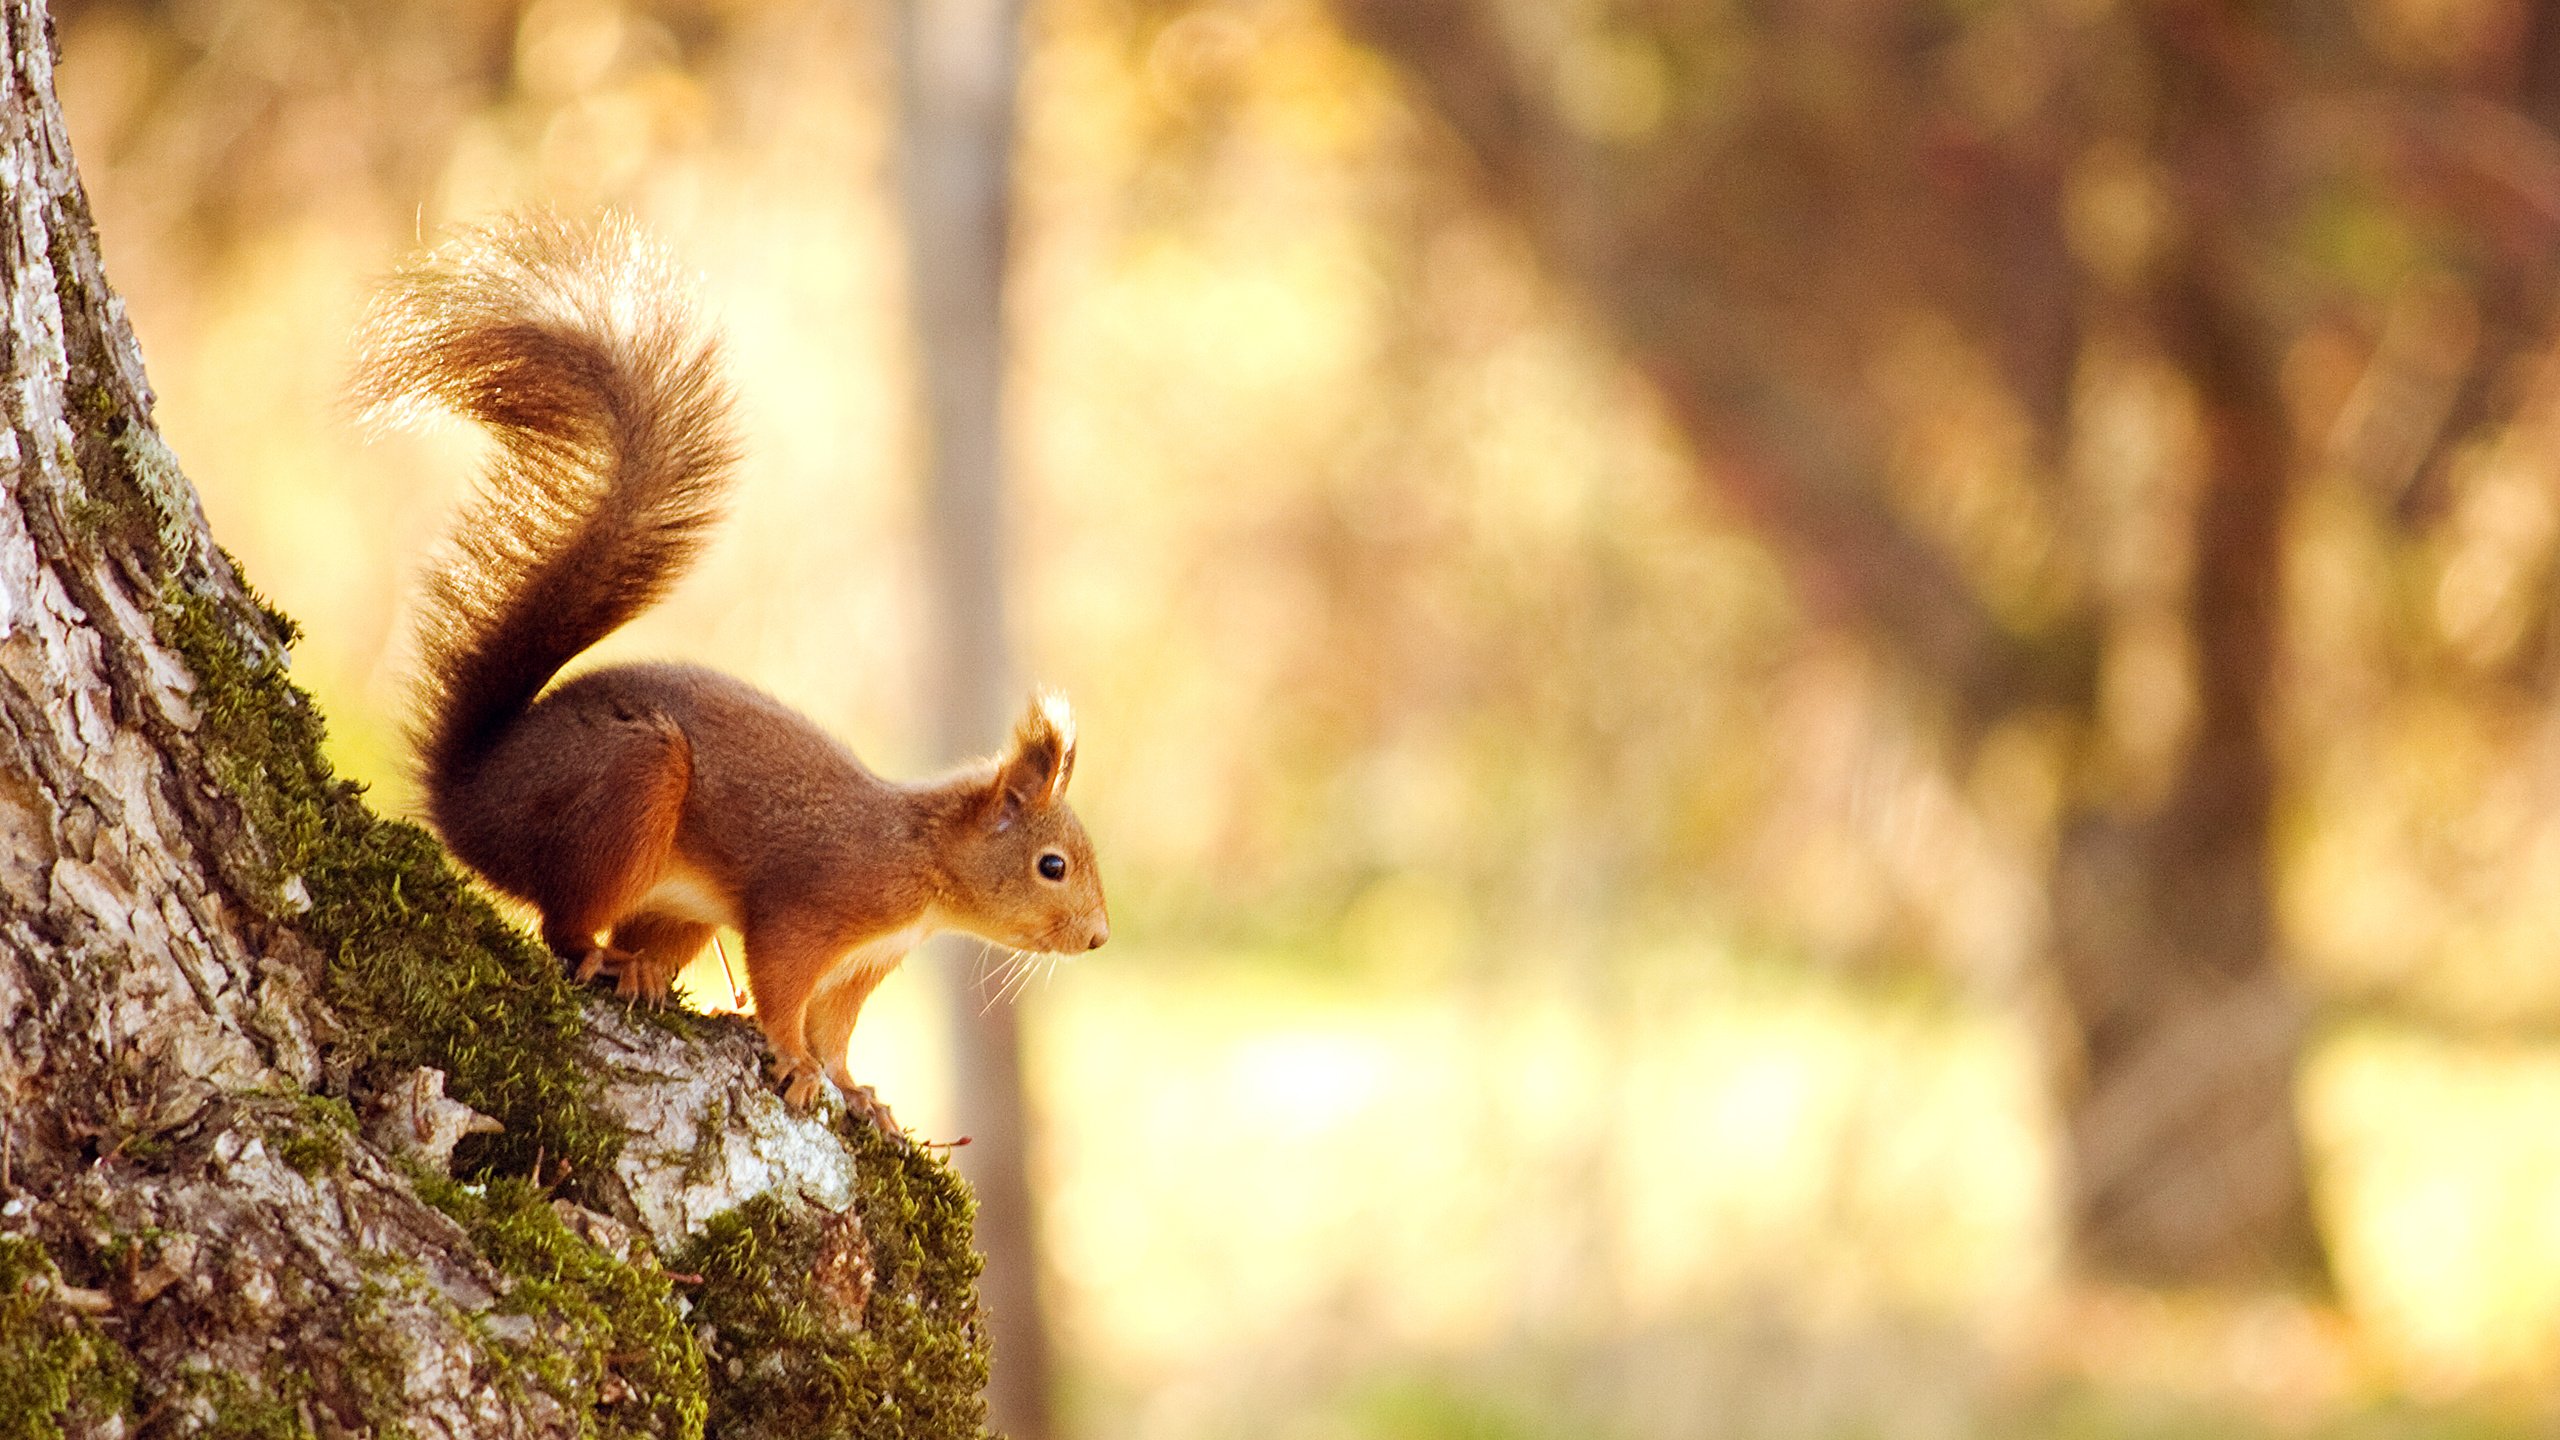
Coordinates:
1021	867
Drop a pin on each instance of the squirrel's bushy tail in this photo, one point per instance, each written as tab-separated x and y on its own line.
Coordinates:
577	346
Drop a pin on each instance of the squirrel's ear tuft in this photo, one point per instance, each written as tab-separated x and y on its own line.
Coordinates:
1043	756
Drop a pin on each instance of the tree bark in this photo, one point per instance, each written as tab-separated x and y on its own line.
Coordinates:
958	64
233	1003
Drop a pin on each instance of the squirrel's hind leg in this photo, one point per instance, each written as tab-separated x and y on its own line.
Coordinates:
658	948
613	834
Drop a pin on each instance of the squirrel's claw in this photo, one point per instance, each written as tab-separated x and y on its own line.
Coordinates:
862	1100
803	1091
604	959
646	984
803	1081
634	978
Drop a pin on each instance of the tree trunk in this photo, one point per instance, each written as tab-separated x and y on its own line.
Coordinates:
2186	1153
2186	1157
233	1001
958	61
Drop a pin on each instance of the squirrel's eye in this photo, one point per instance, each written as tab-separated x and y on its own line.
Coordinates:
1053	866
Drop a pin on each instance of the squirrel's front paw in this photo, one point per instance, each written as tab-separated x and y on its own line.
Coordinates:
604	959
803	1081
645	983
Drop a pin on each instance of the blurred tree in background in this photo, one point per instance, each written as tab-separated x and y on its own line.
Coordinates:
959	71
1762	206
1766	204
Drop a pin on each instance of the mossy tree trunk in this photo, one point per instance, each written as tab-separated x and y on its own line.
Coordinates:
245	1024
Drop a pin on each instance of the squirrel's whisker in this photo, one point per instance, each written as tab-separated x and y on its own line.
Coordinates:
991	962
1015	965
1022	979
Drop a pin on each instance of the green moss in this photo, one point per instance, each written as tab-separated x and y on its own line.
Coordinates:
612	1345
847	1326
374	1358
245	1409
311	1132
710	1138
422	970
59	1373
126	1251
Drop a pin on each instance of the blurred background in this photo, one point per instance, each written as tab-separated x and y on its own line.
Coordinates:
1809	718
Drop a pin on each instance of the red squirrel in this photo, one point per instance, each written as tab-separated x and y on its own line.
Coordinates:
641	807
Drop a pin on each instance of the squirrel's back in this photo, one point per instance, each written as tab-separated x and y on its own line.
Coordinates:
577	346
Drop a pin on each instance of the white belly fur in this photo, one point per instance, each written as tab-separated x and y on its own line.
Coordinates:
875	955
688	894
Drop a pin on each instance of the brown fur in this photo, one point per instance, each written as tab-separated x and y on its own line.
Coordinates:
652	803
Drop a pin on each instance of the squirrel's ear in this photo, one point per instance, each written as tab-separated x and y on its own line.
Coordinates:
1036	769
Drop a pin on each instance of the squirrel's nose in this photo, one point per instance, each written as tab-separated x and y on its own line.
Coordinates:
1101	932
